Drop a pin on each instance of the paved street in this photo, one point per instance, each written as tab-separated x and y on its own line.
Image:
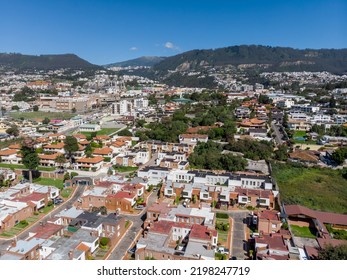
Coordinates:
238	244
129	237
278	134
5	243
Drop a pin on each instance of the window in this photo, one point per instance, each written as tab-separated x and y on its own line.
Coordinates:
262	201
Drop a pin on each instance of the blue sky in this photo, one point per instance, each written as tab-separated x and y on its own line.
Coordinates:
105	31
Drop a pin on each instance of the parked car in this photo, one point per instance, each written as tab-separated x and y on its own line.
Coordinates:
132	250
58	200
222	250
139	207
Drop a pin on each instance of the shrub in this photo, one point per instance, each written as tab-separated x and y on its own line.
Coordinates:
226	227
219	256
222	216
24	223
104	241
73	174
107	159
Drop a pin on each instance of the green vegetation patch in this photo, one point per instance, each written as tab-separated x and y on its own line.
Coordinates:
307	232
42	115
103	131
316	188
49	182
125	168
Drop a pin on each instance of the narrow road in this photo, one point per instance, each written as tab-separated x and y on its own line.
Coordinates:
122	247
4	243
238	234
278	134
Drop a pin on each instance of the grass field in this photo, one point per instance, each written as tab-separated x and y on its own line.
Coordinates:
49	182
66	192
303	231
20	166
125	168
42	115
316	188
103	131
222	235
300	133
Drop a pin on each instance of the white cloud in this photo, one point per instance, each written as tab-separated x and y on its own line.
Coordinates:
133	49
171	46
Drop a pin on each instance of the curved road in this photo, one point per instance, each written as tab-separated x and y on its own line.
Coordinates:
5	243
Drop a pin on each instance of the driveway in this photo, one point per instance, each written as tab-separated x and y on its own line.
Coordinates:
238	234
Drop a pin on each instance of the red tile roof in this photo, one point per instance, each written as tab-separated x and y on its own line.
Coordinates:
80	136
162	208
46	231
54	146
164	227
333	242
324	217
15	146
254	193
202	232
199	136
96	159
273	241
31	197
271	215
122	194
49	157
103	151
8	152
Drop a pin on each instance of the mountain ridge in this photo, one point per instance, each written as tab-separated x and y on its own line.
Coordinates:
44	62
139	61
266	57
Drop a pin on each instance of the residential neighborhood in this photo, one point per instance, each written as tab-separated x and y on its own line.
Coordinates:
181	185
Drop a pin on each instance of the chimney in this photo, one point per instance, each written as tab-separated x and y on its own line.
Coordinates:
70	254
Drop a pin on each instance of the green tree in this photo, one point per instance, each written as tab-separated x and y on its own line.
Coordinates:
73	110
281	153
35	108
333	252
60	160
13	130
103	210
339	155
125	132
46	120
30	157
70	146
15	107
66	176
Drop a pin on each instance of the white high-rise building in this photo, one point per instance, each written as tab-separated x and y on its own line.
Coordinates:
123	108
140	103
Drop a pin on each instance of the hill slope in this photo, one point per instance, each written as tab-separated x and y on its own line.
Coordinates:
44	62
140	61
258	57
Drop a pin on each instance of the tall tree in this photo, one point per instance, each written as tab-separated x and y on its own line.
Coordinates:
60	160
30	157
70	146
333	253
13	130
